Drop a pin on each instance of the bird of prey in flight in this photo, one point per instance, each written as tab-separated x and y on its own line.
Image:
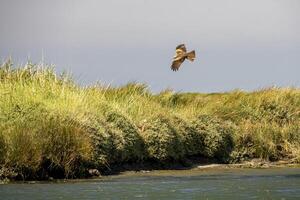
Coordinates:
181	55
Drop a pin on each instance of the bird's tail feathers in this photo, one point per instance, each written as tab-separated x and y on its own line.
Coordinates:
191	55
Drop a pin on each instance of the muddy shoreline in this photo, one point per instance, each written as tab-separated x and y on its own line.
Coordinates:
196	166
152	168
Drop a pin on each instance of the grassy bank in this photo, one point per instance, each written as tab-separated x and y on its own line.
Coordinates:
51	127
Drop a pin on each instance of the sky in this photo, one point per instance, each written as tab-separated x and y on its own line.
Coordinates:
239	44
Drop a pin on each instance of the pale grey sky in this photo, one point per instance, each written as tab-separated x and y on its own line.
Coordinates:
239	44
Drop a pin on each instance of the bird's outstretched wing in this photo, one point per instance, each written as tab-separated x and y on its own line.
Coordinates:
176	64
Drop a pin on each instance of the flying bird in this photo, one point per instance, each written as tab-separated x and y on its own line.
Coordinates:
181	55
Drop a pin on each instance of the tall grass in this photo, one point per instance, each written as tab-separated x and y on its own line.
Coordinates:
49	126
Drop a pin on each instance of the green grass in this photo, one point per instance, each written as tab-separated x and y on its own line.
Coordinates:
49	126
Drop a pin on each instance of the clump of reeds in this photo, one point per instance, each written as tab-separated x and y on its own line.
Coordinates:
49	126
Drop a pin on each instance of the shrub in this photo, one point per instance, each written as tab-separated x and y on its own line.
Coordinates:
115	139
132	143
192	140
161	139
267	140
217	134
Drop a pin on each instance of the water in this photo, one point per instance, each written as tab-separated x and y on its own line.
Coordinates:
279	183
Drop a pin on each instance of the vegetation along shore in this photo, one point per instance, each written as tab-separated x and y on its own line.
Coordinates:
50	127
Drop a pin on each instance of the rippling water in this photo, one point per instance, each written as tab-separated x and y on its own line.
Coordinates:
281	183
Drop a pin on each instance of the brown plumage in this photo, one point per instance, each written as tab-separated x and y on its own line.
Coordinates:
181	55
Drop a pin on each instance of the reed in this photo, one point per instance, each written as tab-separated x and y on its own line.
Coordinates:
49	126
